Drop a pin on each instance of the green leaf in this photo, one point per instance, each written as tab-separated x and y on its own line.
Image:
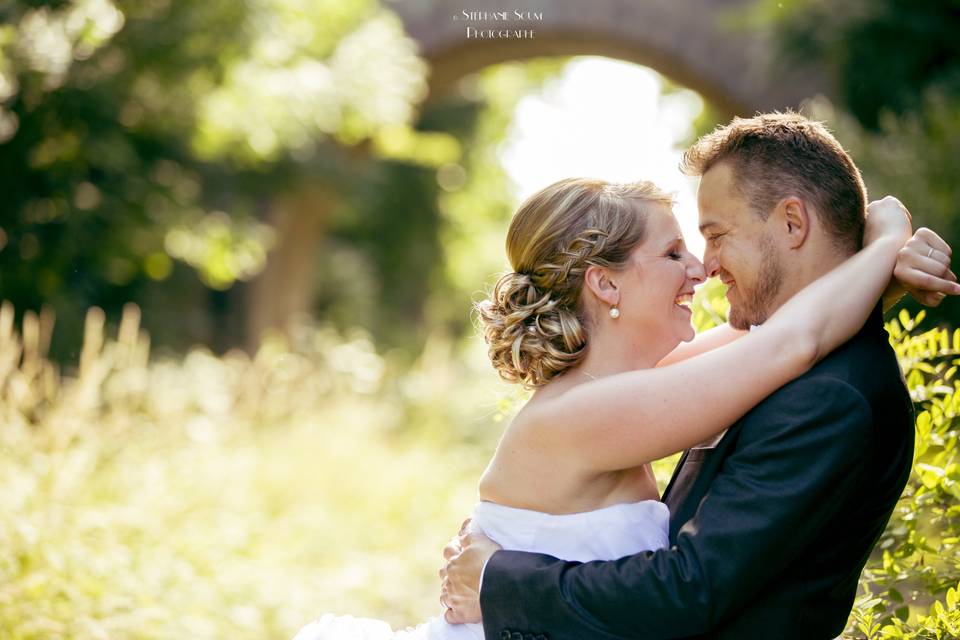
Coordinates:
893	328
890	631
905	320
929	468
937	610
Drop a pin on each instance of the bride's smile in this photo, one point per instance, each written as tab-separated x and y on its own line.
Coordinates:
654	291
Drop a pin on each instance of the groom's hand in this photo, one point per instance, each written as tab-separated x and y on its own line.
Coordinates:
460	590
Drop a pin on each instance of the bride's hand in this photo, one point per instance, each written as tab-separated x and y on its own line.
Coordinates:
887	218
923	270
923	262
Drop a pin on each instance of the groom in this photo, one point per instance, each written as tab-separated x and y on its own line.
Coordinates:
771	523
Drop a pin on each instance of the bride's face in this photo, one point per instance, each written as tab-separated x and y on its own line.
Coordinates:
656	286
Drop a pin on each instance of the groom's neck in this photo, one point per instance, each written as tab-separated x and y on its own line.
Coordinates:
803	272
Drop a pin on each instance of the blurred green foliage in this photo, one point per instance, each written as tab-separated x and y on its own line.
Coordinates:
883	56
142	144
409	245
910	585
236	496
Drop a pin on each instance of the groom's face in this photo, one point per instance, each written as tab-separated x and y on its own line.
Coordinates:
740	248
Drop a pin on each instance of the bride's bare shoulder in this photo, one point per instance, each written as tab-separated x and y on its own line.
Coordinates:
519	460
537	410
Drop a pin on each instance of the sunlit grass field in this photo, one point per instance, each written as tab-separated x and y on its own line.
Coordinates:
231	497
237	496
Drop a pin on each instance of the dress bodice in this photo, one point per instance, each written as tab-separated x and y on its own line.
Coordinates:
602	534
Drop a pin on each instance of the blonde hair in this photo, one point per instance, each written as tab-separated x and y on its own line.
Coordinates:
534	322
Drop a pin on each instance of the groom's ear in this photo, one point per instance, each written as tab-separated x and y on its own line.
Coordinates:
795	221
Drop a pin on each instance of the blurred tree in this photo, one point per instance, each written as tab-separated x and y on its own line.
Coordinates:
411	244
142	142
883	55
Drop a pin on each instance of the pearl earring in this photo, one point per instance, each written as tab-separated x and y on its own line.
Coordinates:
614	313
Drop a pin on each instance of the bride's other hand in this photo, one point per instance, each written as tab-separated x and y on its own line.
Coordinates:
923	269
923	263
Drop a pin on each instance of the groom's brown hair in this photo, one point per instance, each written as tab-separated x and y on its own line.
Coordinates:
777	155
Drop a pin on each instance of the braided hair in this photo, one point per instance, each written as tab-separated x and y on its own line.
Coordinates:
534	322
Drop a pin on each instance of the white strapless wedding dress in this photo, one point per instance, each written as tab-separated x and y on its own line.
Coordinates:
604	534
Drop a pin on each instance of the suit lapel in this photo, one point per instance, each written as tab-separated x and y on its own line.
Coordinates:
686	483
676	473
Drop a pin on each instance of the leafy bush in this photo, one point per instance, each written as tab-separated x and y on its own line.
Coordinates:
910	584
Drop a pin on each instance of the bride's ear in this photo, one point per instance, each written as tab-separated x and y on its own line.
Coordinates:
599	282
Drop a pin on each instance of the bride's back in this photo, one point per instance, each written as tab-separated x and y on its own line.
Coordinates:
523	475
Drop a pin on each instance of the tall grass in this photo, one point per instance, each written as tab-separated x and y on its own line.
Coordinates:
234	496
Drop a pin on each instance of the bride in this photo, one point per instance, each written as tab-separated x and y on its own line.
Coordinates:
602	284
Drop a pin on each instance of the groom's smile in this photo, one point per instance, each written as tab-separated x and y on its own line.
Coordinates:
739	248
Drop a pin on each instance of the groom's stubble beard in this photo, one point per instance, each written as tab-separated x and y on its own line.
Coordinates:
756	306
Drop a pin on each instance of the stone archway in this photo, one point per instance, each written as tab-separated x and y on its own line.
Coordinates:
702	44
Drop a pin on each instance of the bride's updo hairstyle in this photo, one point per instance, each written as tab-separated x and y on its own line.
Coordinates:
534	322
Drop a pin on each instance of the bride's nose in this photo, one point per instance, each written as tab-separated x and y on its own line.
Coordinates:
695	270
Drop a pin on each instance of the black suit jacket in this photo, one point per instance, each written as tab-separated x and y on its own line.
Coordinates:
769	529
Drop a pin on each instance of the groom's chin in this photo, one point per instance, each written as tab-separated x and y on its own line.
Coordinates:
739	320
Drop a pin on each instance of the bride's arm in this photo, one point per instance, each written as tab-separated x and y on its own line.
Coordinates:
707	341
923	270
631	418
